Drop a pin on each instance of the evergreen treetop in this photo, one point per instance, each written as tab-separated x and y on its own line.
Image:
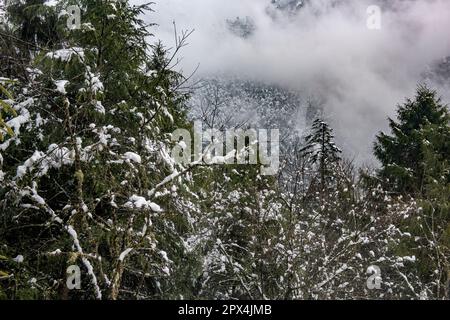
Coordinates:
321	149
402	153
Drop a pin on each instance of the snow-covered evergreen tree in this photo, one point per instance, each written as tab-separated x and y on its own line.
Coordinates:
402	153
321	150
87	173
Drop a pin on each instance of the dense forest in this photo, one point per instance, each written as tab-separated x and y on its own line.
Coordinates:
89	182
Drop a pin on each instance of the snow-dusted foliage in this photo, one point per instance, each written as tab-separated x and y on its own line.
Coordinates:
87	161
87	178
302	243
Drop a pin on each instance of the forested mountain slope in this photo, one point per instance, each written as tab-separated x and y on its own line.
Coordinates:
96	204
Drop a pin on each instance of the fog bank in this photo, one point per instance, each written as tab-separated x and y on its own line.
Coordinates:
325	50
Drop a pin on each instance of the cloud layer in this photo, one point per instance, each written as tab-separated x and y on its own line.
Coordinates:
324	50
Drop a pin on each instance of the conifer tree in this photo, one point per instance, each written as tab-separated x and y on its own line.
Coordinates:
402	154
322	151
35	22
87	175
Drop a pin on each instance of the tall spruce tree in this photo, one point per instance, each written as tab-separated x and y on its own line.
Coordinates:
322	151
403	154
415	162
87	176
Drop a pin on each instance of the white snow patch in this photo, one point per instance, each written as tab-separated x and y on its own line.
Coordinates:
124	254
65	55
18	259
132	157
142	203
61	86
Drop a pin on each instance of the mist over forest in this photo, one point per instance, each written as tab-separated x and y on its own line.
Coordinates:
225	150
